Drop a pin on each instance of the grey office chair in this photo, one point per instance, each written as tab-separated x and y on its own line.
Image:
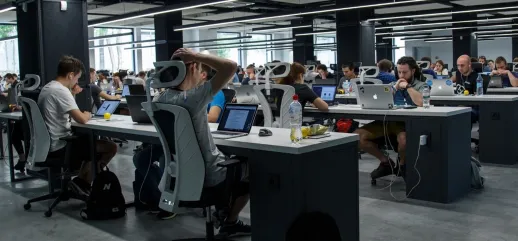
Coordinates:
182	184
38	163
286	99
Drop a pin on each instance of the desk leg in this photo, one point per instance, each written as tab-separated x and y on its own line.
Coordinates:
10	151
444	163
283	186
498	132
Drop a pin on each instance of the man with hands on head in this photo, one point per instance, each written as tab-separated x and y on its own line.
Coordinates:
509	78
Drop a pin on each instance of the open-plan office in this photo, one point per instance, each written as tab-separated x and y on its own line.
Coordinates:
263	120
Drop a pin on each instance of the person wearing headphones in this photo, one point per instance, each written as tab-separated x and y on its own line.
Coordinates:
466	77
407	90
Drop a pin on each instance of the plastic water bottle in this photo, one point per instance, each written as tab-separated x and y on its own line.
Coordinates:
112	90
426	97
347	87
295	120
480	86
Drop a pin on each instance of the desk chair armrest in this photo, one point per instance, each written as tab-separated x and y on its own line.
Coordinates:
229	163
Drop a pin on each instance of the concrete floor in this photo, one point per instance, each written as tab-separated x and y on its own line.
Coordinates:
483	215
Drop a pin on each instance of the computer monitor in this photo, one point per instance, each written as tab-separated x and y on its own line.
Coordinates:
108	106
325	92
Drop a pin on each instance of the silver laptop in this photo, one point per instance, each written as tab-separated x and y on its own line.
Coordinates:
495	82
245	94
237	120
108	106
378	97
441	87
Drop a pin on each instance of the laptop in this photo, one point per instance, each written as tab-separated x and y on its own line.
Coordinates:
136	90
237	120
326	92
125	91
137	113
245	94
495	82
378	97
108	106
441	87
443	76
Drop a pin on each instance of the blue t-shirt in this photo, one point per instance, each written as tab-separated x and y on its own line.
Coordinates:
386	77
506	82
219	101
430	72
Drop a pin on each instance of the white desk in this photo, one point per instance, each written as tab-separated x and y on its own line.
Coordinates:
472	98
284	179
503	91
344	96
357	110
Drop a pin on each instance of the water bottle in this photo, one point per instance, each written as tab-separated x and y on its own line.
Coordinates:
112	90
426	97
295	120
347	87
480	86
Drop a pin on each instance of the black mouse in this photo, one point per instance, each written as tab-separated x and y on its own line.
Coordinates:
265	132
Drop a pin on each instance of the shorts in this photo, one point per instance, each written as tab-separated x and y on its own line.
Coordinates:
375	128
80	152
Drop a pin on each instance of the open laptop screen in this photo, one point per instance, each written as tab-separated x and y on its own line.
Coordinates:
108	106
238	118
125	91
326	92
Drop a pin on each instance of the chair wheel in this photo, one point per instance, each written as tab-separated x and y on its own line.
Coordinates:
48	214
373	182
27	206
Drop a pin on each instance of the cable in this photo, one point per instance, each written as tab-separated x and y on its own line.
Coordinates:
145	176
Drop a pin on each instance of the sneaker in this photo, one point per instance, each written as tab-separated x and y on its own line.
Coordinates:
20	166
237	228
80	187
218	217
164	215
384	169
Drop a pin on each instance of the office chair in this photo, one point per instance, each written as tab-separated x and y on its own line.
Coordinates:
229	95
57	168
286	99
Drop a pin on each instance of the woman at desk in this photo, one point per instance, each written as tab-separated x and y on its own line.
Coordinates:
509	78
439	68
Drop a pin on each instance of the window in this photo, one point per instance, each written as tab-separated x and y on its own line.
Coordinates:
258	56
229	53
9	62
326	53
113	57
400	50
148	54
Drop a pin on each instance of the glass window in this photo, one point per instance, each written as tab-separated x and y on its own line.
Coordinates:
400	51
9	62
325	54
113	58
148	54
258	56
229	53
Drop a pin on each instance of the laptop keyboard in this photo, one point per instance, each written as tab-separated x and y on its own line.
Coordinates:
226	133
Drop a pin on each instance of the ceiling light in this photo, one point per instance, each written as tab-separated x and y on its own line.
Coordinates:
110	36
308	12
433	38
315	33
444	13
175	8
278	28
451	22
7	9
141	47
217	39
424	30
437	41
496	35
126	43
405	36
495	31
267	49
249	42
265	45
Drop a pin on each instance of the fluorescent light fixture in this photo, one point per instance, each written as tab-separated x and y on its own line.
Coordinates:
246	46
496	35
444	13
424	30
433	38
265	42
451	22
161	12
279	28
437	41
310	12
267	49
141	47
217	39
110	36
7	9
406	36
495	31
126	43
315	33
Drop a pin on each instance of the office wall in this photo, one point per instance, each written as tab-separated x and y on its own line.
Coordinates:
494	48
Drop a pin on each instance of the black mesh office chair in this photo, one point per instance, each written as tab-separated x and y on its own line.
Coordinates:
229	95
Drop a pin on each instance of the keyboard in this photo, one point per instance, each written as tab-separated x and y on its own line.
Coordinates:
226	133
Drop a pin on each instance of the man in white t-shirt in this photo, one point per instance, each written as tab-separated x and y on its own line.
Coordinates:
141	78
57	104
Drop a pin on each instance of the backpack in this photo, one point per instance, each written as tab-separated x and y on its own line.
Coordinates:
147	177
477	181
106	200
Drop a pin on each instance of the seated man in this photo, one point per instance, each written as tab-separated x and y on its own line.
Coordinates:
385	76
194	95
250	74
430	69
466	77
216	106
348	70
509	78
408	88
323	73
57	105
141	78
97	92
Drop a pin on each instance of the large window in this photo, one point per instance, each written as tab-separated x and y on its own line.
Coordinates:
9	62
114	56
229	53
400	50
259	56
148	54
325	53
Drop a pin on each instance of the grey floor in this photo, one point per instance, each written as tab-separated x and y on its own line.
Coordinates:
483	215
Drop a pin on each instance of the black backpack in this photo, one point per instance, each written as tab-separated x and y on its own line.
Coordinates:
106	200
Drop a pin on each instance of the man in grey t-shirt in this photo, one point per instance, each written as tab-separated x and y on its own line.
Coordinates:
194	95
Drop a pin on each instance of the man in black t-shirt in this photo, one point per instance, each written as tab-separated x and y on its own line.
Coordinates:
466	77
323	73
97	92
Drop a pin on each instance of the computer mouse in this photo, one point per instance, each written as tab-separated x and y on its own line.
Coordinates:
265	132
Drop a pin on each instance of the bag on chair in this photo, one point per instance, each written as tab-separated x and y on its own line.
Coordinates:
106	200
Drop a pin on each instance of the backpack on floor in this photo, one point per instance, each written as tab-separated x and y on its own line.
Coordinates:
106	200
477	181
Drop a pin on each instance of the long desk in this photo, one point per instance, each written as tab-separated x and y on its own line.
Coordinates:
8	117
444	163
285	179
498	129
503	91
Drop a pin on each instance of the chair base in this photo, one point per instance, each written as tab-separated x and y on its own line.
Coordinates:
63	195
